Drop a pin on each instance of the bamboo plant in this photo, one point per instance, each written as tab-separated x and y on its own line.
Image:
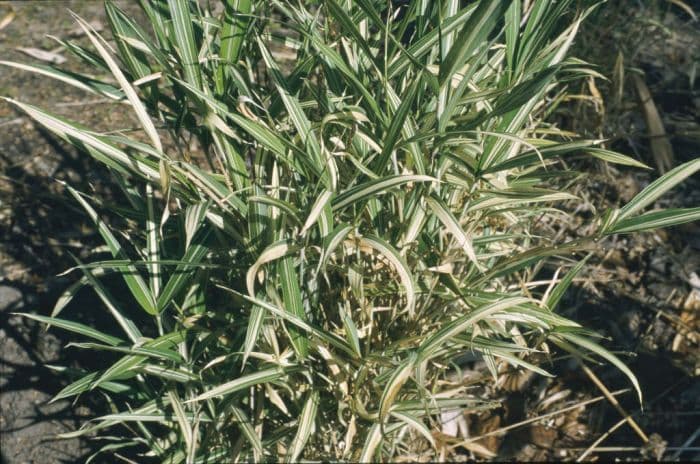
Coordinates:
360	213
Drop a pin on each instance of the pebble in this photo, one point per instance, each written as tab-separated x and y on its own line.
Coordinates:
10	298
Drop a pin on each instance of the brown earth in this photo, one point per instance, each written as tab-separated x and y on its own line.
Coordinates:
38	230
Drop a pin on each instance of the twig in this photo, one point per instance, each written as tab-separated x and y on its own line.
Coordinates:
593	447
623	449
686	446
600	439
11	122
535	419
85	102
614	402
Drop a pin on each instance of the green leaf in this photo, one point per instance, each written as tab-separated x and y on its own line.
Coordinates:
375	187
563	285
393	387
656	220
616	158
453	226
605	354
75	327
460	325
131	276
474	34
304	428
657	188
242	383
291	295
404	272
184	38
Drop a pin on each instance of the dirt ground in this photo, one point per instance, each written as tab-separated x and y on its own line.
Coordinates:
643	292
39	229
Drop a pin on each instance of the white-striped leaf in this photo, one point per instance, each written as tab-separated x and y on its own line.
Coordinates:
393	387
304	427
399	264
273	252
241	383
113	156
460	325
184	39
416	424
316	210
182	418
81	82
453	226
133	279
249	432
373	440
605	354
656	220
99	43
321	334
291	295
374	187
659	187
75	327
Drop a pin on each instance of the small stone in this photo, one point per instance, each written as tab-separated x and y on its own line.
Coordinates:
10	298
655	448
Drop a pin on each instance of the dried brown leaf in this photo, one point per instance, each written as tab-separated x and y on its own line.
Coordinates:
660	145
43	55
7	19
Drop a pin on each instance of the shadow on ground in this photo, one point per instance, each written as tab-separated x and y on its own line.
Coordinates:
40	227
38	235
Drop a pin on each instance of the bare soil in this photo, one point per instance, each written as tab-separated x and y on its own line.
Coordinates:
39	229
